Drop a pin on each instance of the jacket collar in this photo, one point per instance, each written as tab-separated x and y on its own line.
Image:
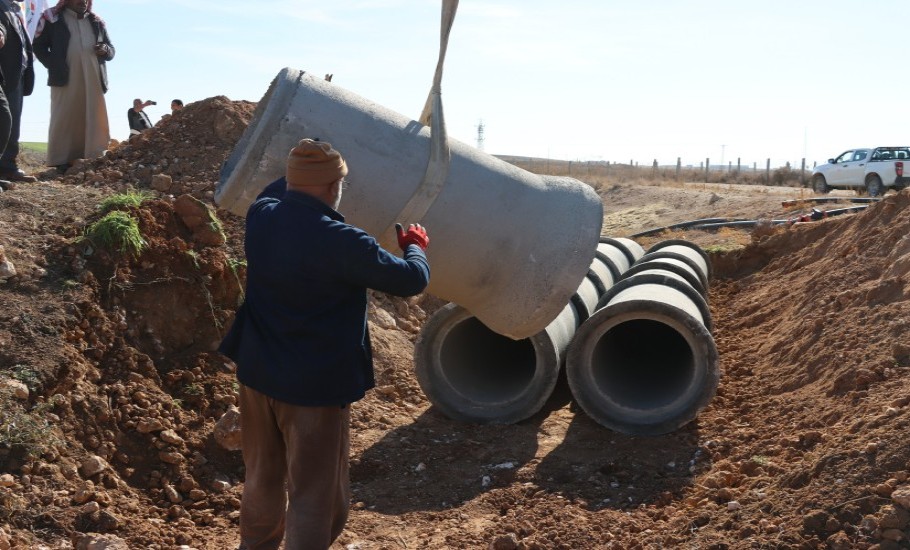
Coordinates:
312	202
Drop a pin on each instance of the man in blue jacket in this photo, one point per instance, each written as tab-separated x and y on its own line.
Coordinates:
302	348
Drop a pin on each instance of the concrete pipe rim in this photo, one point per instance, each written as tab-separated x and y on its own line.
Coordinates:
451	396
587	383
689	275
622	246
687	244
271	107
679	285
614	270
669	254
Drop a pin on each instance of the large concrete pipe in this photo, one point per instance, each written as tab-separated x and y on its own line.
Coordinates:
508	245
677	266
473	374
645	363
686	249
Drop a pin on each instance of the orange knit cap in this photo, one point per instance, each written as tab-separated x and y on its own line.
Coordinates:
314	163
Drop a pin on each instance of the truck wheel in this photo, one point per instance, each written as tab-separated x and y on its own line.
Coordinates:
819	185
874	186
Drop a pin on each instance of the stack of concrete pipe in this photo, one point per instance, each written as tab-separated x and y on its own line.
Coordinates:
474	374
645	362
635	340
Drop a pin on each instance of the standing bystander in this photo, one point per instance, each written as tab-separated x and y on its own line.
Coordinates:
17	79
302	347
137	118
73	44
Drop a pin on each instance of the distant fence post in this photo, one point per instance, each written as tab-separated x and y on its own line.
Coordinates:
678	166
654	169
738	166
755	167
707	168
768	171
802	173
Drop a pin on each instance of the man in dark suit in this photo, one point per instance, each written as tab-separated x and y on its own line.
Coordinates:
17	79
138	119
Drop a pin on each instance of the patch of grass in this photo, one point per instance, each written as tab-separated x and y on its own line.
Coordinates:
25	430
69	284
194	389
234	264
723	247
761	460
27	376
193	256
215	224
124	200
117	231
33	146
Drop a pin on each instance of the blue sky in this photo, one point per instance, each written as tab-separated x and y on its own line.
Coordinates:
574	80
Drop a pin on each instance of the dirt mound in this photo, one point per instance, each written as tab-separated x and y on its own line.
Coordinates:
183	153
111	394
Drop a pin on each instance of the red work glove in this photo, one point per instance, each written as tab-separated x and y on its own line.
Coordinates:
415	234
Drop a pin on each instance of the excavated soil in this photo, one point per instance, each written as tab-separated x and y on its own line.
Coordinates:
111	390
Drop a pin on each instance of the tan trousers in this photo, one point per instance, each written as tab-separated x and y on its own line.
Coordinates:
297	484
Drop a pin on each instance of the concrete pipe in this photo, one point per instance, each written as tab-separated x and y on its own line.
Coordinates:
630	248
688	249
508	245
668	265
473	374
646	362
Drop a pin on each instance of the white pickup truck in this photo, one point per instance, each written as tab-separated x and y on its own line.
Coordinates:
874	170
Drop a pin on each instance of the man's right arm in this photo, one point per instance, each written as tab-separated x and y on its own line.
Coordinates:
367	264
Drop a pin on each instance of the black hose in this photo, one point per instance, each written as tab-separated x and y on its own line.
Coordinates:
793	202
709	224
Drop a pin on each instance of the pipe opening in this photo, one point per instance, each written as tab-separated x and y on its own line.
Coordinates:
486	366
643	364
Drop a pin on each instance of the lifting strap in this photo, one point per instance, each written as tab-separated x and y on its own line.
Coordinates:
438	165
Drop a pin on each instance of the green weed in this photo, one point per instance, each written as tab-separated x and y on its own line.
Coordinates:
124	200
194	256
27	376
117	231
25	430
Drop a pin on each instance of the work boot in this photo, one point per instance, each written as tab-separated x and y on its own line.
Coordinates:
17	175
7	185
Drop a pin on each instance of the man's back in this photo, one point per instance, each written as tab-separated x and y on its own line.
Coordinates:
138	120
304	338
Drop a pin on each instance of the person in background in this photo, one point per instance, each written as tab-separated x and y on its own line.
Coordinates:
176	105
138	119
72	42
302	348
17	79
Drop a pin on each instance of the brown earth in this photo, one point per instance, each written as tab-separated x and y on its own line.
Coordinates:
111	391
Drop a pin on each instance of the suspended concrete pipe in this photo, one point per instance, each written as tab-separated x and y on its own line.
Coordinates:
509	246
645	363
473	374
